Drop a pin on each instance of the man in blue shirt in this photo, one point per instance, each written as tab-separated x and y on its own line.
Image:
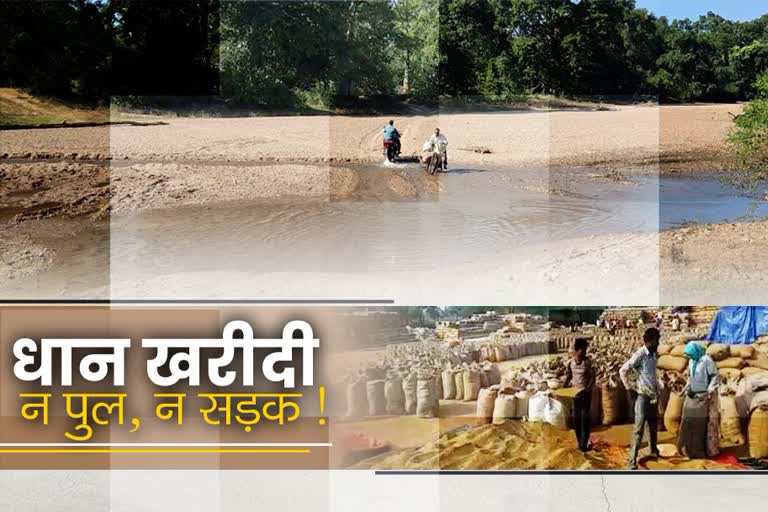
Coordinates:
390	131
391	135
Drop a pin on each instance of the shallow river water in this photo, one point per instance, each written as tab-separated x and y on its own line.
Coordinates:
476	215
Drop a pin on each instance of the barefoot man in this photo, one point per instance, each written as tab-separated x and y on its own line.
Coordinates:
645	390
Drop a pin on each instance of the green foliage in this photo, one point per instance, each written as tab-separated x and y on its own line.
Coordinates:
749	139
321	96
318	53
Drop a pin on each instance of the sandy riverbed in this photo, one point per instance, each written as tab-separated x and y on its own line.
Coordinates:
680	136
219	161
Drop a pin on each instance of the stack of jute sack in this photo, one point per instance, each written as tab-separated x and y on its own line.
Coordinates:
509	350
402	390
526	393
733	361
377	392
742	397
430	353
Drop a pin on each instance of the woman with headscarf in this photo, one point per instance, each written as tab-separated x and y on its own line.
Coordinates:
699	435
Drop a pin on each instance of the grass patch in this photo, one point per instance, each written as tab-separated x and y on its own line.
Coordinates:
19	107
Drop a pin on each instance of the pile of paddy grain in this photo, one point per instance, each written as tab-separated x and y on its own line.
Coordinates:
513	445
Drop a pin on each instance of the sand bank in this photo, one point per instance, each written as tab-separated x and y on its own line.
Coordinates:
680	137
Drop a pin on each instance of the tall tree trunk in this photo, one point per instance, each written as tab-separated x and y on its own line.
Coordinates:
406	87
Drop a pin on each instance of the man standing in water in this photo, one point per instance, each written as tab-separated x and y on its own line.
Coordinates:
438	140
646	390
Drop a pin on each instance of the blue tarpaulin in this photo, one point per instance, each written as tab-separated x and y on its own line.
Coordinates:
739	325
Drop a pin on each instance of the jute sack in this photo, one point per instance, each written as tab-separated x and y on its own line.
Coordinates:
663	400
484	382
730	423
393	391
426	399
664	349
743	351
357	399
471	385
749	371
630	399
449	386
504	408
375	373
673	413
494	375
521	403
438	385
732	362
486	401
718	351
409	389
596	406
761	361
554	384
612	404
677	351
757	433
501	354
377	400
730	374
672	363
458	383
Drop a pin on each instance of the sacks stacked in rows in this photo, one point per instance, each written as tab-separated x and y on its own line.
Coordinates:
511	405
415	392
757	430
730	422
752	404
511	349
539	375
465	382
733	361
428	355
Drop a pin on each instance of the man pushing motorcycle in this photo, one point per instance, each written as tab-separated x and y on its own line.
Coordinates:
437	144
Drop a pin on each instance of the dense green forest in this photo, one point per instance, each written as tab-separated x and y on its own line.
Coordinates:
90	50
491	48
313	52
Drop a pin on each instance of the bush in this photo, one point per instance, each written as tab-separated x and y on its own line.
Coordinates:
321	96
749	140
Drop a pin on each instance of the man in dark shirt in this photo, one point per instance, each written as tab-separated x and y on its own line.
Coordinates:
580	375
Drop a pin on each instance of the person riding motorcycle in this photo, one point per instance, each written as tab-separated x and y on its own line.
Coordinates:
392	137
437	142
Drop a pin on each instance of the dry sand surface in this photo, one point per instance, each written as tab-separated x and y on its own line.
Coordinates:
622	135
717	264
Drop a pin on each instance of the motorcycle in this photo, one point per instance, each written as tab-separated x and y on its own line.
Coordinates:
437	160
392	148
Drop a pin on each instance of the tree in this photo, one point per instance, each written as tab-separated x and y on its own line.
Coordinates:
416	29
749	139
59	48
165	48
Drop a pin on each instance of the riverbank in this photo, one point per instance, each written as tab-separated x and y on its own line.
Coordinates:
525	238
625	138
